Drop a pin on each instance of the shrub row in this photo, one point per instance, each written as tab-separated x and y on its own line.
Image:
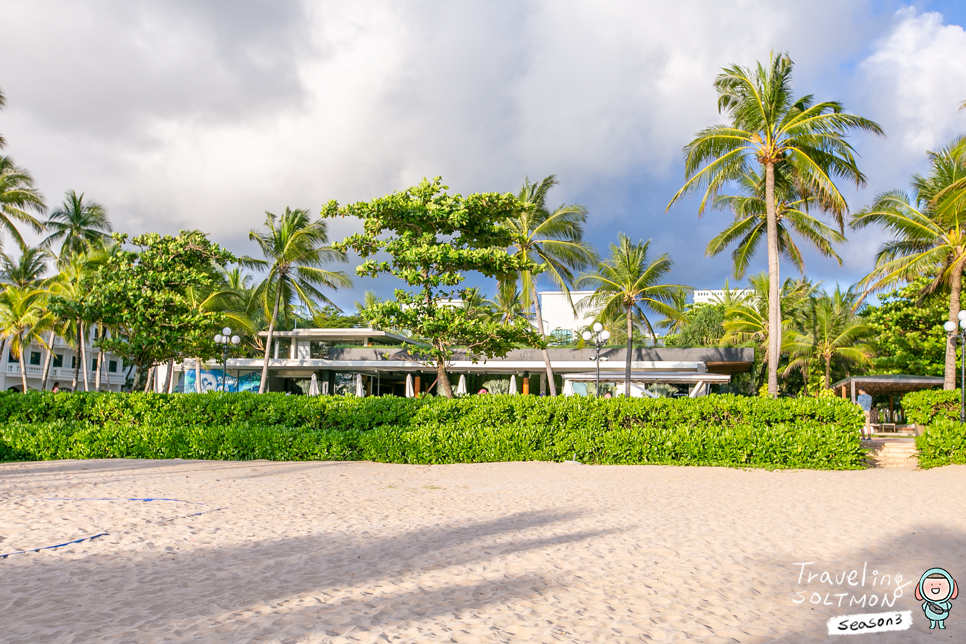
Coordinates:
943	443
714	430
923	407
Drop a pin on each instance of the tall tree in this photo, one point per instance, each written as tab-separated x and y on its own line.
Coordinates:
22	315
77	225
3	102
551	240
750	226
928	237
294	249
25	270
771	128
432	239
628	284
18	198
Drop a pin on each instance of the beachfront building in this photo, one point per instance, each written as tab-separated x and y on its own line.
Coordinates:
562	321
63	365
371	362
716	296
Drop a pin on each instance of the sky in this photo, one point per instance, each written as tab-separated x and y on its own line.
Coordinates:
185	114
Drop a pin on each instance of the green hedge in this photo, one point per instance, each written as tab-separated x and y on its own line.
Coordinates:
714	430
943	443
923	407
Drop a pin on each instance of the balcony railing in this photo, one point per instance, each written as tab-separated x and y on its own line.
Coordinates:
61	373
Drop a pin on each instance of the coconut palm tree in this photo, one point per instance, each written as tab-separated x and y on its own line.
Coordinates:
22	316
26	270
750	226
771	128
552	240
628	284
294	250
3	102
18	198
369	300
928	236
679	302
828	329
77	225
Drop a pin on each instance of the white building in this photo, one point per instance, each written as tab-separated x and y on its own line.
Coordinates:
560	318
709	296
62	367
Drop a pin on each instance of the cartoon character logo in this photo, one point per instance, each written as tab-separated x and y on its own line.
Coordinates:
936	590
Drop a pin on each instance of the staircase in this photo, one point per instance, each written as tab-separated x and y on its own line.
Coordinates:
891	452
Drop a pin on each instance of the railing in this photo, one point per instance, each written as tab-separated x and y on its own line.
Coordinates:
62	373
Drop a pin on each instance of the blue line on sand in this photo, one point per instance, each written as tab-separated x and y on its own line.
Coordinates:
98	499
59	545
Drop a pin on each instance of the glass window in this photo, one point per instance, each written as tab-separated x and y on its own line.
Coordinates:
10	357
93	364
35	357
112	366
73	362
58	360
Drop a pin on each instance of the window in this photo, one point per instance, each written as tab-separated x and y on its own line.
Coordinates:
10	357
112	366
35	357
73	362
93	364
58	360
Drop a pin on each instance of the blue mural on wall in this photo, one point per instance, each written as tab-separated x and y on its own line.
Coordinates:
212	380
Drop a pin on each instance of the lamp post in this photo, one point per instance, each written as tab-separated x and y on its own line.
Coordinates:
950	327
225	338
599	337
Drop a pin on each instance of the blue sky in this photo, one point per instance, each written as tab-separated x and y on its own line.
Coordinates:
204	115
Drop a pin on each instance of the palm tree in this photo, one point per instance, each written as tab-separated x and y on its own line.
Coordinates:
77	225
27	270
552	240
677	322
829	330
3	102
17	198
929	236
628	284
22	313
770	128
295	249
369	300
750	225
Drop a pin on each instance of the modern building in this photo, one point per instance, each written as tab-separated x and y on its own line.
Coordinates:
63	364
562	320
712	296
373	362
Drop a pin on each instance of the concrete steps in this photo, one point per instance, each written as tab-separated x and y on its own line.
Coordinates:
891	452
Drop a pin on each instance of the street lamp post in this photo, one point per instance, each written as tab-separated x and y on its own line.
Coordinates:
600	337
950	327
225	338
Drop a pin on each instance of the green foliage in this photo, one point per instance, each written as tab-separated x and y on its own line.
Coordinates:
433	239
714	430
704	327
943	443
925	407
332	318
144	295
907	331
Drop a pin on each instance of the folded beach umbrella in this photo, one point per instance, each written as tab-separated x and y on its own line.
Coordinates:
314	385
513	384
568	388
360	390
410	390
461	387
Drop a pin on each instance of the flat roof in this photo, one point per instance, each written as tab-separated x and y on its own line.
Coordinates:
344	335
889	383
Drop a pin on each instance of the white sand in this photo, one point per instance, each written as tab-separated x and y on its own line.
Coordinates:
513	552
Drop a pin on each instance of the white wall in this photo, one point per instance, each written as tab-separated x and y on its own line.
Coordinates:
558	313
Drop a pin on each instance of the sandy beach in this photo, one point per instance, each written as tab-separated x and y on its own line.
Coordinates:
509	552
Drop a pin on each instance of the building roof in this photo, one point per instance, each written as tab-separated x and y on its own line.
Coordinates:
332	336
886	385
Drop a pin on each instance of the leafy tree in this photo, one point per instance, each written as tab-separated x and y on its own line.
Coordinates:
770	128
928	237
18	198
552	240
146	295
22	322
77	225
829	330
432	239
628	284
330	317
704	327
907	332
294	249
750	226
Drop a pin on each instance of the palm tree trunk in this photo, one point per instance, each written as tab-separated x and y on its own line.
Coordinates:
955	293
630	349
197	375
23	369
828	372
83	352
774	285
546	353
169	374
150	377
100	365
47	361
268	341
77	359
443	379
